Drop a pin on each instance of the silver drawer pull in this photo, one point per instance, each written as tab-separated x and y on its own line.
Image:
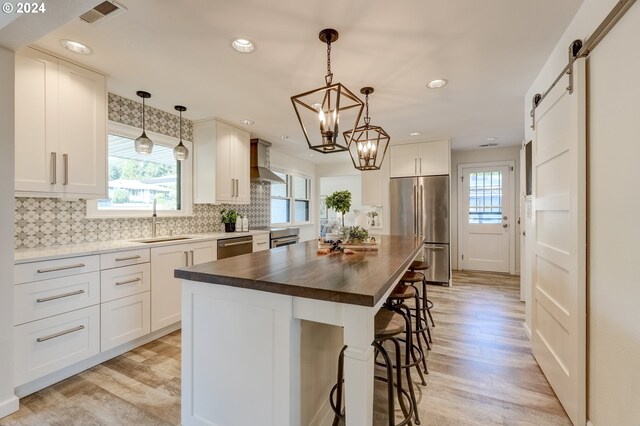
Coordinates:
135	280
262	243
60	296
236	244
62	333
61	268
122	259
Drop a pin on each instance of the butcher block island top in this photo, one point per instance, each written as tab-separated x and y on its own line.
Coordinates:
361	278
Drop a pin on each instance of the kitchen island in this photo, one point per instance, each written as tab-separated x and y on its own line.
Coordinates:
241	343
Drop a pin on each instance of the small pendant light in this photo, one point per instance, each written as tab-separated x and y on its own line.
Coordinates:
367	144
143	144
180	152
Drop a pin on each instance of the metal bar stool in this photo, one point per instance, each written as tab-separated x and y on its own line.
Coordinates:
409	279
418	266
388	325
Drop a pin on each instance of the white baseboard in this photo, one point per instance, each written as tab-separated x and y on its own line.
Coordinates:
527	330
48	380
324	416
9	406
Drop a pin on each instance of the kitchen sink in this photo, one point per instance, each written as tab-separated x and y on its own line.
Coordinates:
160	240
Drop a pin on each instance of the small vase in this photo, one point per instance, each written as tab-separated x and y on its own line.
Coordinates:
229	227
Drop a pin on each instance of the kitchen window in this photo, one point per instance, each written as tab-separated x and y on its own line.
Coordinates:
136	180
291	201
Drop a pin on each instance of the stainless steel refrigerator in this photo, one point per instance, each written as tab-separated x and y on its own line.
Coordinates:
420	206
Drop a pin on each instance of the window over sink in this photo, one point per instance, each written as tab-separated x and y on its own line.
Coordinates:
136	180
291	201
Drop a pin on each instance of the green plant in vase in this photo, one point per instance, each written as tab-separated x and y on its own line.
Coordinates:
340	201
229	217
372	215
357	234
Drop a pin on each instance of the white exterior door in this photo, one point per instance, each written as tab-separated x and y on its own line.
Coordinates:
486	218
559	243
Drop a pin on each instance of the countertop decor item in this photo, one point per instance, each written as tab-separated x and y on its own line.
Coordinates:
143	144
340	201
357	235
367	144
180	152
327	106
229	217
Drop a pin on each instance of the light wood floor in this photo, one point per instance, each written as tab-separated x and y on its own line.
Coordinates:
481	371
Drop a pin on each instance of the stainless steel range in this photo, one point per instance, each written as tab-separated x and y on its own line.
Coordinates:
284	236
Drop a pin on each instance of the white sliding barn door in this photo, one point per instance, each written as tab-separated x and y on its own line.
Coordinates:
559	242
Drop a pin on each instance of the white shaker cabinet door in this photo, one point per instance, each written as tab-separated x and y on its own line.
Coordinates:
225	182
165	289
124	320
36	128
83	130
403	160
240	161
434	158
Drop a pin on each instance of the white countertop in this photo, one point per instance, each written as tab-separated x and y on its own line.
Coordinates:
72	250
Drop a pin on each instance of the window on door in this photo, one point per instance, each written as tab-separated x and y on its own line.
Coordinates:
485	197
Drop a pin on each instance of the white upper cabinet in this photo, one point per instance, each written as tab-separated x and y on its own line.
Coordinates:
374	185
420	159
61	128
221	156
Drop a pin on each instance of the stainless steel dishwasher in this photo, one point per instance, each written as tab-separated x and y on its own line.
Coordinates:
230	247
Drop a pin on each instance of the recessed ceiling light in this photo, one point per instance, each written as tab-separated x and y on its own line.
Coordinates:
243	45
310	155
436	84
284	137
492	138
247	122
76	47
415	134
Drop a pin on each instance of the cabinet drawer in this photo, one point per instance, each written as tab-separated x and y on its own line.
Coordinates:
260	242
45	346
37	271
127	281
41	299
124	258
124	320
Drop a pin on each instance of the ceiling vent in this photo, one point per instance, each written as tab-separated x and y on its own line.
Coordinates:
105	9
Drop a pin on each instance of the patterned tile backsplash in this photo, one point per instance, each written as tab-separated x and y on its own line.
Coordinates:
43	222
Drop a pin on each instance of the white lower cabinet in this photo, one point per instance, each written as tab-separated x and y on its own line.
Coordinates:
48	345
123	320
41	299
166	305
260	242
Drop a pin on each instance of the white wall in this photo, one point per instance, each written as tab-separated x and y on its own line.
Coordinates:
613	152
8	401
483	155
353	184
284	161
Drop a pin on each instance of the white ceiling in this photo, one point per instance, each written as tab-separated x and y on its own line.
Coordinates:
179	51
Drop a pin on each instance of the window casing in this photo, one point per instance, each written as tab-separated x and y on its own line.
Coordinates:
291	201
135	180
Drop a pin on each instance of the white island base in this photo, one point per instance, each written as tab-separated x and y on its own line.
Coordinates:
242	352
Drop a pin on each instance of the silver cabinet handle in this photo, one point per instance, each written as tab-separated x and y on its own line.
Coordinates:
186	258
53	169
135	280
420	165
415	210
192	261
261	244
434	248
65	161
62	333
233	188
236	244
122	259
60	296
61	268
421	206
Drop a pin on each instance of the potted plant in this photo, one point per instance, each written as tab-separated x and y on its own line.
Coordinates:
340	201
229	217
357	235
372	215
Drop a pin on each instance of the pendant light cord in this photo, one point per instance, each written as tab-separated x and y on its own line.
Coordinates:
180	126
143	115
328	57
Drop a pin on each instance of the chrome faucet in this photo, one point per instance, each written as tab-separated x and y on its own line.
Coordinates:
154	219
